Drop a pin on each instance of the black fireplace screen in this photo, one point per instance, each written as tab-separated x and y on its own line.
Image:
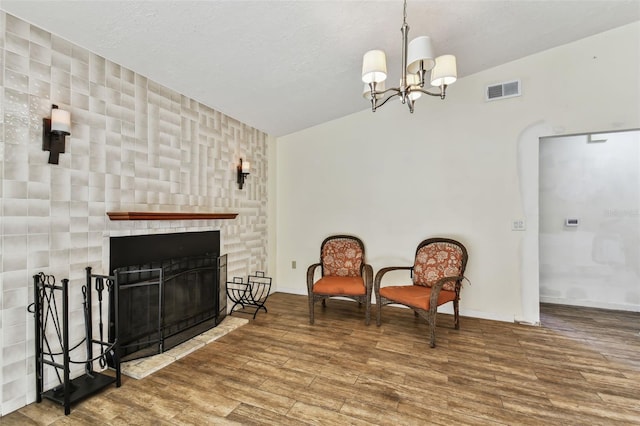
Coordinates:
170	299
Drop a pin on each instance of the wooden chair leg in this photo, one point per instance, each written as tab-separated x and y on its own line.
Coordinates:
456	315
378	312
367	314
432	329
311	303
432	337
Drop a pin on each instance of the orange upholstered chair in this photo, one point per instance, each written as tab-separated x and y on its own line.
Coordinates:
344	273
437	275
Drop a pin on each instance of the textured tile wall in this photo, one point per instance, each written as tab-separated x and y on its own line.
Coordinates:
134	146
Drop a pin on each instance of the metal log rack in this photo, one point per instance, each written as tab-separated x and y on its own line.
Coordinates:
57	353
253	293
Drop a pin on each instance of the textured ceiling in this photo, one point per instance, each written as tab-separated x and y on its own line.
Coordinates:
282	66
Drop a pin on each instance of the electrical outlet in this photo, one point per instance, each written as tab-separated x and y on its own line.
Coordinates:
293	264
518	225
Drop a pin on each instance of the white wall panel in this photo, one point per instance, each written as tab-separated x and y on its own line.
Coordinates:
462	168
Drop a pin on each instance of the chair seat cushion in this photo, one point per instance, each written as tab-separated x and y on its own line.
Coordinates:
352	286
415	296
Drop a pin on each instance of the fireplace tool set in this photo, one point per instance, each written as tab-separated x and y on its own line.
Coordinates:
51	324
253	293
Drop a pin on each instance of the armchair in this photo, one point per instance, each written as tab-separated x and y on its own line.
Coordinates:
437	275
344	273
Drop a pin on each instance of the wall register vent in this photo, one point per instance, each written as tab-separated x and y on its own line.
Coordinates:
505	90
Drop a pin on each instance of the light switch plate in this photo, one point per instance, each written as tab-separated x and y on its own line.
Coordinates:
518	225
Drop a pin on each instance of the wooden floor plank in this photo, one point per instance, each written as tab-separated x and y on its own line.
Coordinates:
315	415
581	366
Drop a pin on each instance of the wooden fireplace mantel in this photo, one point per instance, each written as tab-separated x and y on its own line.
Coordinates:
168	216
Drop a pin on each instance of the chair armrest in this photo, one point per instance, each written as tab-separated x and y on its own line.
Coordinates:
367	276
381	272
311	270
438	284
435	290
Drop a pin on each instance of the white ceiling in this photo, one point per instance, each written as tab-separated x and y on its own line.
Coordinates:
282	66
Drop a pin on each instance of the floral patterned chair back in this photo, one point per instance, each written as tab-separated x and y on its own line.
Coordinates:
342	257
436	260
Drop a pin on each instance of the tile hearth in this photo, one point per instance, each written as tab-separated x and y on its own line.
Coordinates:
141	368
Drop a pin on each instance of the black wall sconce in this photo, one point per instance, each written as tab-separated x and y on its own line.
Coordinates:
54	131
243	172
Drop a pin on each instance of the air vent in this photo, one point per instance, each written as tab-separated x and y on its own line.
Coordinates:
509	89
596	139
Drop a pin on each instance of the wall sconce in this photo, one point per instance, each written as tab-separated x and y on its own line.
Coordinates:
54	131
243	172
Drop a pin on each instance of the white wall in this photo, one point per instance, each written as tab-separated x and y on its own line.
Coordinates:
596	263
461	168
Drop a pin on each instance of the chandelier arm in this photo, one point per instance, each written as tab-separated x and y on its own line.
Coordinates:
441	94
426	92
390	97
391	89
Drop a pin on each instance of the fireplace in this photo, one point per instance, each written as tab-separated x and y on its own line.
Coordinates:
171	288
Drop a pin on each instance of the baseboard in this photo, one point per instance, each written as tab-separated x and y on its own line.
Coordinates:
446	309
289	290
590	304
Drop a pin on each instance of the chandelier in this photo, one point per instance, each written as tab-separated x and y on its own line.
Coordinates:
417	60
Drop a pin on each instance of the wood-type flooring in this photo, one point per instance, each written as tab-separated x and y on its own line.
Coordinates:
581	367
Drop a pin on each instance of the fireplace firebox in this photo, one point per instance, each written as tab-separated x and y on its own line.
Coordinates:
171	288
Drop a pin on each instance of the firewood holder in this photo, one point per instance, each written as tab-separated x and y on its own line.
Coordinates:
251	294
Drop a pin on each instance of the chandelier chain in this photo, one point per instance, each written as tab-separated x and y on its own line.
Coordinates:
404	15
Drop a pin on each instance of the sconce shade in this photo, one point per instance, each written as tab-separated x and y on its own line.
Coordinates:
60	121
54	131
374	67
444	72
420	49
243	172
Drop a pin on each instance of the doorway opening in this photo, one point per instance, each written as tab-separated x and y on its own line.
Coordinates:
589	220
